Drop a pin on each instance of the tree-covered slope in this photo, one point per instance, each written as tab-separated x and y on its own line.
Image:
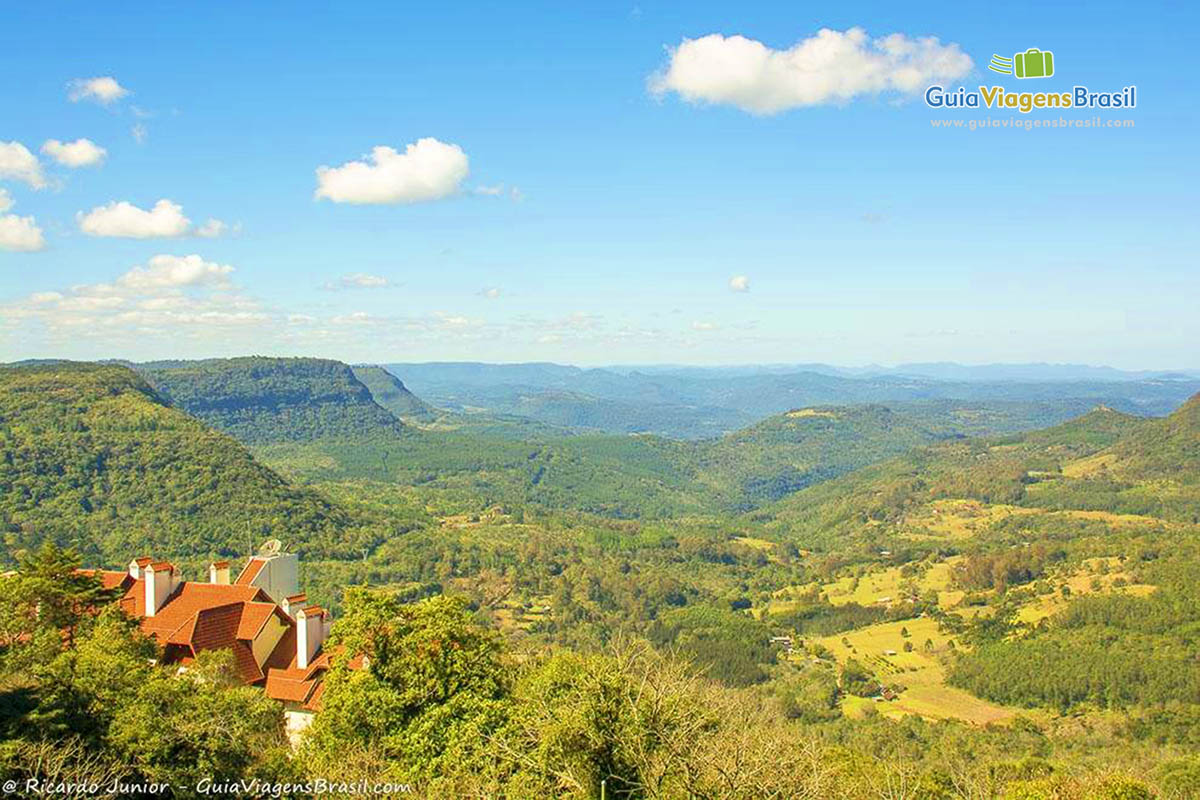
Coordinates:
622	476
259	400
788	452
874	503
1167	449
390	392
90	455
1153	471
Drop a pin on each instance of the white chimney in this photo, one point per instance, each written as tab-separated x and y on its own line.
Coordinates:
310	633
159	579
136	566
218	572
291	605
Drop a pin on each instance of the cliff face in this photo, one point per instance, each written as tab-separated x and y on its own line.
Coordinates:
264	400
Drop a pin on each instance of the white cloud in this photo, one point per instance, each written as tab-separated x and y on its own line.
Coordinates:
830	67
173	272
492	292
6	201
704	326
357	280
79	153
211	229
500	190
21	234
122	219
17	163
427	170
170	297
103	90
139	133
739	283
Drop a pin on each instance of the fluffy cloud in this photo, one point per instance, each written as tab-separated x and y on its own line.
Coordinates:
21	234
831	67
358	280
739	283
169	296
17	163
174	272
126	220
79	153
703	325
103	90
427	170
6	201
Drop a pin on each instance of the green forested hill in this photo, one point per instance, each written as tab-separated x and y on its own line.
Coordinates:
788	452
634	476
1167	449
390	392
1102	494
869	504
91	456
259	400
622	476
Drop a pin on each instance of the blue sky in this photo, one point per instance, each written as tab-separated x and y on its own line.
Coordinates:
581	216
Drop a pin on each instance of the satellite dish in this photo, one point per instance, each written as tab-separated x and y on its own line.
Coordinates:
271	547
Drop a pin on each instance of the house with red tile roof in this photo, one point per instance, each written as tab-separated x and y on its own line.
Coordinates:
275	635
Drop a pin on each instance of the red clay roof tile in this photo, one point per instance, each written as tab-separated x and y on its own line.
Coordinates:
250	571
254	617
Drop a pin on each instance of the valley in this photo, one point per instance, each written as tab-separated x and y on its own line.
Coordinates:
953	564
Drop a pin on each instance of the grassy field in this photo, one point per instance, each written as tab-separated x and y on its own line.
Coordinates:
888	585
956	520
918	673
1095	575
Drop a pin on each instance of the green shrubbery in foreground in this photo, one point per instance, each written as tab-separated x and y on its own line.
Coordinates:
446	709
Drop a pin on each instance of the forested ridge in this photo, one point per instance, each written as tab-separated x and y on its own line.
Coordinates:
258	399
91	456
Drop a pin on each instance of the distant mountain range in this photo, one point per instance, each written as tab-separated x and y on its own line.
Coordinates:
938	370
702	402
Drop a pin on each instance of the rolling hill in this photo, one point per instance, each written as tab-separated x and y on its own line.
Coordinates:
90	455
874	506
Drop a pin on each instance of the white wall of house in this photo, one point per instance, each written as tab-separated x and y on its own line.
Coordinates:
296	722
280	576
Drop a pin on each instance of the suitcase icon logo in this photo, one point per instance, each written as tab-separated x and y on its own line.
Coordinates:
1033	63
